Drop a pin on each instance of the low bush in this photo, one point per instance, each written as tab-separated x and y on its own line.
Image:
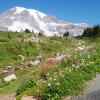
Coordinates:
68	84
25	84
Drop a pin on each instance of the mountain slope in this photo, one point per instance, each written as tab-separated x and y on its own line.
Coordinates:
19	18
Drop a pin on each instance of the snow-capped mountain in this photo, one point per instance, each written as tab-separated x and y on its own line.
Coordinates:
19	19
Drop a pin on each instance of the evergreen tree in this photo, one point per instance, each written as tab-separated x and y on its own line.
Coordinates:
27	31
66	34
92	32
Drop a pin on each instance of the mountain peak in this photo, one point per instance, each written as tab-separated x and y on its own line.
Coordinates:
17	9
20	18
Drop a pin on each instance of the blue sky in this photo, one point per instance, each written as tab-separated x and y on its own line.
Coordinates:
72	10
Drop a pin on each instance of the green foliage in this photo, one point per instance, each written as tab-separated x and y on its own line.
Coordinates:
25	84
27	31
66	34
92	32
40	34
67	84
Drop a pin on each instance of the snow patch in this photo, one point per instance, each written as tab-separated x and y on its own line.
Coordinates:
17	9
18	26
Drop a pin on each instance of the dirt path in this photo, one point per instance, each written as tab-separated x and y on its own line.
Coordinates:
7	97
92	91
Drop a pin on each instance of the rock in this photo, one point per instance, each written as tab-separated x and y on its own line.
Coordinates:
22	57
67	98
5	71
48	63
60	58
40	57
28	98
10	78
23	65
9	67
7	97
80	48
35	62
90	48
16	68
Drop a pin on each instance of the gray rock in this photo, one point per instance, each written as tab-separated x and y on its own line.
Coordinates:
10	78
35	62
40	57
92	91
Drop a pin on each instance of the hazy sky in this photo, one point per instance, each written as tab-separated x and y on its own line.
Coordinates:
87	11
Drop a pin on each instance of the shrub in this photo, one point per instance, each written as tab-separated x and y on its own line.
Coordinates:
40	34
66	34
92	32
3	39
67	84
27	31
25	84
9	35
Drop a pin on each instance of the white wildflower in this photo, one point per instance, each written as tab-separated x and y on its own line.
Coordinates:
70	70
49	84
57	83
50	78
55	76
54	79
38	90
44	81
48	74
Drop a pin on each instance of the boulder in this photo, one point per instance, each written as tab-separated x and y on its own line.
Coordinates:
35	62
48	63
40	57
59	58
22	57
10	78
16	68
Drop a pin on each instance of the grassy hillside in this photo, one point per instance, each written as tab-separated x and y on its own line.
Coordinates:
62	78
14	44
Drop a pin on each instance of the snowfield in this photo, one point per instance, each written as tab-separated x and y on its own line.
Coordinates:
19	19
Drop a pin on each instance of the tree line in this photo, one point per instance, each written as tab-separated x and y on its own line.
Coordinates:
92	31
88	32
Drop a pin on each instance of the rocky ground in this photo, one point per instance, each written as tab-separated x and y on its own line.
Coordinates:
7	97
92	91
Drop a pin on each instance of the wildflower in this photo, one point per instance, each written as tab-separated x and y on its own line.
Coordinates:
57	83
55	73
54	79
38	90
48	74
49	84
44	81
70	70
77	66
41	80
73	65
61	71
50	78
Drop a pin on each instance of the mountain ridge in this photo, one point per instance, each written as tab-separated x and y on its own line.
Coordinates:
19	19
